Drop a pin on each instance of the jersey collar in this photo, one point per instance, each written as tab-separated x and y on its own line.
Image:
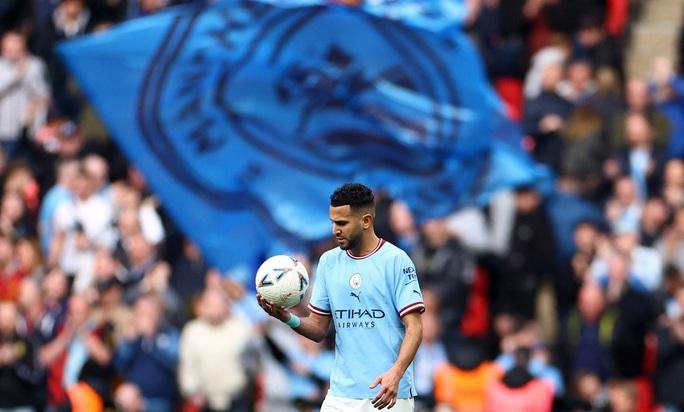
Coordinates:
377	247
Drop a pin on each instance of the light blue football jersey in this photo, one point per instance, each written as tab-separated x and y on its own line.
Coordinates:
366	298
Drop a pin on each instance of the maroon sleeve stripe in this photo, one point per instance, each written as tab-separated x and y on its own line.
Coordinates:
319	311
412	308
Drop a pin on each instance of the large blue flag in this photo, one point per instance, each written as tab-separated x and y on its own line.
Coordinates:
245	115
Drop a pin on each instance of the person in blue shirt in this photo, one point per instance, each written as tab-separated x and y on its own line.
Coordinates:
368	290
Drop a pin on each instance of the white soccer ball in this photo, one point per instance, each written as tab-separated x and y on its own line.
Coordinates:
282	280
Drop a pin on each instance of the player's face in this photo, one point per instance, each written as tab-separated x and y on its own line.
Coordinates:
347	226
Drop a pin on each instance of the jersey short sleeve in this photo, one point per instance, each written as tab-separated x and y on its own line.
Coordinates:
407	295
320	300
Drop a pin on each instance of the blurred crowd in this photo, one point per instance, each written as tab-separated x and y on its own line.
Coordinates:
106	305
525	313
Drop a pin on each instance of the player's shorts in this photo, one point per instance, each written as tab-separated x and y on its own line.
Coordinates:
336	404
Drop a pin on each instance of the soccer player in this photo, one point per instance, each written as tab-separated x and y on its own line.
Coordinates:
368	290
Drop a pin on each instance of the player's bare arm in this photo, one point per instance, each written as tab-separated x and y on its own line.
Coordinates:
389	381
313	326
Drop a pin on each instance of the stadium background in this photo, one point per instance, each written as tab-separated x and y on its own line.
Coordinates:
107	304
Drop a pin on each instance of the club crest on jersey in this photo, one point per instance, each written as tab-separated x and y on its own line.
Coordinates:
355	281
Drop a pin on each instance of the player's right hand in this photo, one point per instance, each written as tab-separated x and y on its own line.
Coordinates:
276	311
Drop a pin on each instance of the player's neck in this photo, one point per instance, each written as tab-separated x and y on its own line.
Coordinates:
367	245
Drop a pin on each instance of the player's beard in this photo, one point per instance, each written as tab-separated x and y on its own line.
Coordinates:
352	242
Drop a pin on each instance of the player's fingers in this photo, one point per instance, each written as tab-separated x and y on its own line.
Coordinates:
390	398
379	398
265	305
383	403
260	300
375	382
376	398
389	395
392	402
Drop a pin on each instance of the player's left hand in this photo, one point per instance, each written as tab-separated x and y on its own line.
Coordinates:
389	386
274	310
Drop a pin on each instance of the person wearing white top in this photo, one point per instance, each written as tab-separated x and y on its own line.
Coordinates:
81	227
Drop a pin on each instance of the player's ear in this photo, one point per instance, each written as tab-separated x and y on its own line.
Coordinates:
367	220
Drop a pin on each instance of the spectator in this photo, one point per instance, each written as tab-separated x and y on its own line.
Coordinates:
148	355
430	356
500	27
79	357
81	226
667	89
539	364
403	225
60	193
622	396
586	238
447	269
19	374
591	43
110	291
309	367
54	292
672	281
97	170
555	53
29	258
654	218
584	344
584	150
30	308
462	382
579	86
624	207
60	139
140	254
24	93
71	18
518	390
13	219
671	246
644	264
670	365
545	118
635	311
589	393
530	260
149	274
673	184
641	159
608	99
128	398
189	272
637	100
211	374
10	276
20	180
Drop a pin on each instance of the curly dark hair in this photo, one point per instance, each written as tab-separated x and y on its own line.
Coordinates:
355	195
